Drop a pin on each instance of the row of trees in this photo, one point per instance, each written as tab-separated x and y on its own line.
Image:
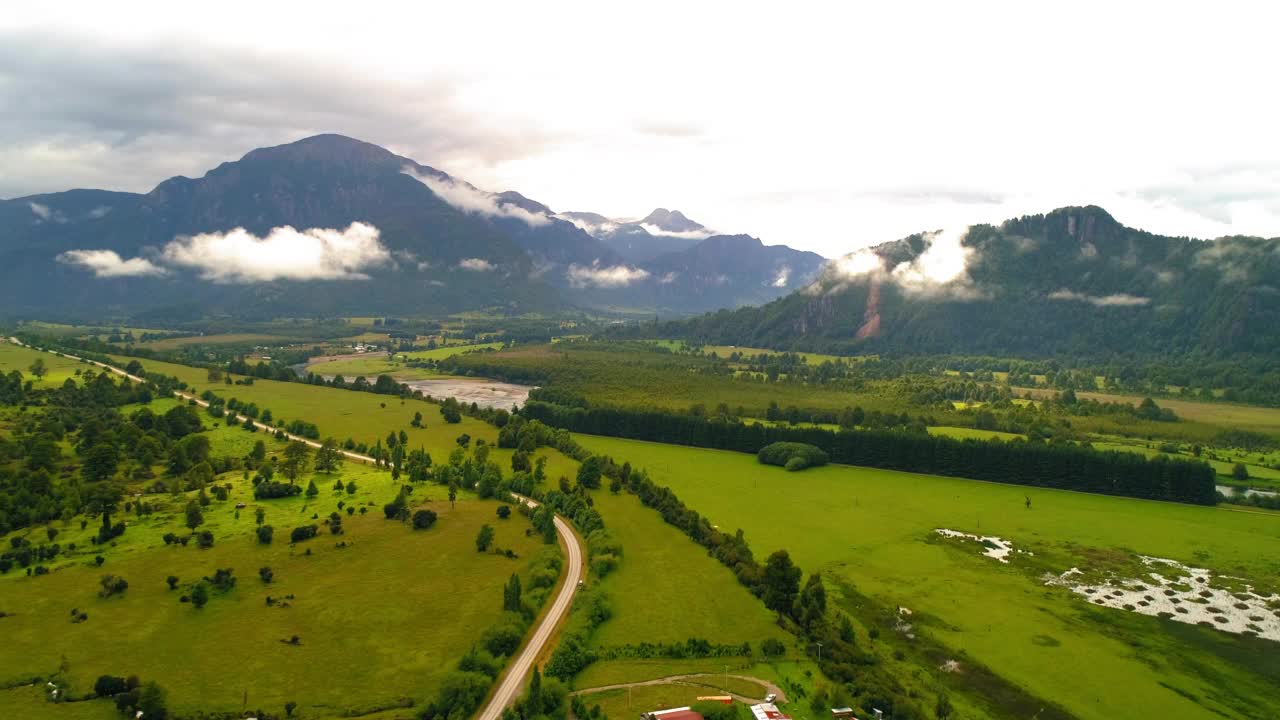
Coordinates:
1059	465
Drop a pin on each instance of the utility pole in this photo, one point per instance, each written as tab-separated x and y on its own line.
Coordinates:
819	652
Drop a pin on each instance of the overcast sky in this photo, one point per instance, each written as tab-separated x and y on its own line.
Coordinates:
823	128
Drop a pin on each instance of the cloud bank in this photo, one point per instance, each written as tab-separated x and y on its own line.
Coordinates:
109	264
612	276
1116	300
239	256
475	201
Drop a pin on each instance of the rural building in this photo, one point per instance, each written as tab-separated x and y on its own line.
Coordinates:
843	713
768	711
680	713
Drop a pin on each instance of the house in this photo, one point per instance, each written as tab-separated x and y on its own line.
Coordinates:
768	711
680	713
842	713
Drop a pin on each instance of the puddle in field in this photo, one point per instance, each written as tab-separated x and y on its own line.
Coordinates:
1179	592
485	393
993	547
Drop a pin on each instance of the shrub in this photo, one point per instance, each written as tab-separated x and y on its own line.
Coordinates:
773	647
110	685
504	512
204	539
791	455
266	574
265	533
305	532
269	489
423	519
112	585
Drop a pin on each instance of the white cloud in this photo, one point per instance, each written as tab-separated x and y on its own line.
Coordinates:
944	261
284	254
475	265
856	264
784	274
686	234
590	228
467	198
607	277
41	211
669	278
1116	300
942	269
108	263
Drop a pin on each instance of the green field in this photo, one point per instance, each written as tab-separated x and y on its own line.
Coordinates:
380	620
377	363
14	357
874	529
383	644
1219	414
668	589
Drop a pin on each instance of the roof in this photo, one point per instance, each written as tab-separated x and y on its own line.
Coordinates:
768	711
680	713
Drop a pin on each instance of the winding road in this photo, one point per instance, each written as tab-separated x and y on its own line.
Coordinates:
512	682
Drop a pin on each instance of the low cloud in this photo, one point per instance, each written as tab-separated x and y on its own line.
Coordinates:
687	234
109	264
669	278
591	228
99	212
471	199
239	256
784	274
612	276
942	270
1115	300
44	213
475	265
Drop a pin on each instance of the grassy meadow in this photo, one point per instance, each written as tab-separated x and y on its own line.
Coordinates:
382	611
667	589
874	529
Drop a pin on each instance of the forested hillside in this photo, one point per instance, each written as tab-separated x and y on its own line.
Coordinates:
1074	282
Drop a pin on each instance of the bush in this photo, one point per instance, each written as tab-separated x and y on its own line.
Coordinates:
773	647
269	489
265	533
305	532
109	686
204	539
423	519
112	585
791	455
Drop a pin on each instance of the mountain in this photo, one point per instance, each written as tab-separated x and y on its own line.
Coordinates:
672	221
638	241
331	225
1073	282
325	182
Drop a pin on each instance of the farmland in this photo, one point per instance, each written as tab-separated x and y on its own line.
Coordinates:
400	365
387	609
875	531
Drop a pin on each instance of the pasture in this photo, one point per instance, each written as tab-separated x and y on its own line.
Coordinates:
216	339
1218	414
377	363
874	529
379	620
667	589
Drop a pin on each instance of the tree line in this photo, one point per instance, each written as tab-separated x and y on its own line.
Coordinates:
1064	465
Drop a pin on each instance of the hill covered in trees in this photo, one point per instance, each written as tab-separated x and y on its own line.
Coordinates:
1073	282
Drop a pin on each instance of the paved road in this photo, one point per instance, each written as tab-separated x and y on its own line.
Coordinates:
512	684
513	681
